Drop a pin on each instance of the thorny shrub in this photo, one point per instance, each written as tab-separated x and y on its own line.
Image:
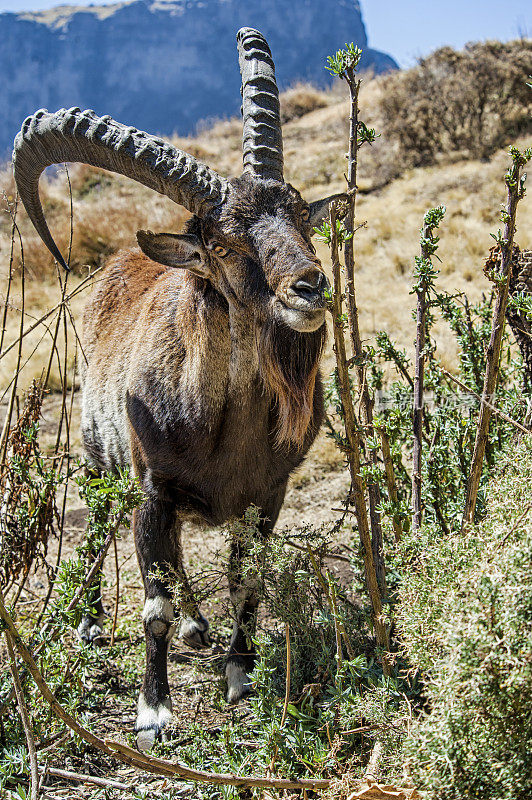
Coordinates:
470	101
301	99
450	412
30	484
465	619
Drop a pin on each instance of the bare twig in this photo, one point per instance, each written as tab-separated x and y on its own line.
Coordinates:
286	695
513	528
331	556
367	728
10	272
330	595
76	776
337	631
80	287
483	400
56	741
117	592
288	673
9	414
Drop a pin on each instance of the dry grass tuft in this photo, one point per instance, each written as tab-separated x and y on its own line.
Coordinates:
301	99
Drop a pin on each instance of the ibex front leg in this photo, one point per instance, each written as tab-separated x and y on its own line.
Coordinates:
157	539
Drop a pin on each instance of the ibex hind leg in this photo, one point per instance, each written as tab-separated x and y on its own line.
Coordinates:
245	590
193	626
90	629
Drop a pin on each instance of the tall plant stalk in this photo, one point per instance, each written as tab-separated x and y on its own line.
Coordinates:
358	493
344	65
424	277
417	408
515	186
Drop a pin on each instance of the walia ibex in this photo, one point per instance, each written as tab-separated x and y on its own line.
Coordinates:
201	352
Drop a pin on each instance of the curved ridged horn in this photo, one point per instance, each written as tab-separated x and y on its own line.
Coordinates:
262	140
82	136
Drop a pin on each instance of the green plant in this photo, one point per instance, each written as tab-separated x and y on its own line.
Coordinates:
344	62
465	619
68	669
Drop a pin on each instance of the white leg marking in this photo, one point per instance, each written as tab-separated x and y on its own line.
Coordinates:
158	613
90	628
153	716
195	632
151	720
239	684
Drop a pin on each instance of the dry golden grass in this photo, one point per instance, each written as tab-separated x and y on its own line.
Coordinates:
109	209
473	192
301	99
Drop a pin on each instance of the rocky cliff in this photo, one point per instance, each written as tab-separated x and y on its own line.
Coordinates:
162	65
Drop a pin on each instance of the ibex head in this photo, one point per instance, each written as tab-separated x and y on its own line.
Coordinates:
249	237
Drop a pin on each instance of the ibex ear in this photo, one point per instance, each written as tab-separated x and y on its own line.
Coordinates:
319	209
182	250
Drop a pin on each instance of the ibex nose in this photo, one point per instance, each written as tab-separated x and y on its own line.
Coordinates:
312	287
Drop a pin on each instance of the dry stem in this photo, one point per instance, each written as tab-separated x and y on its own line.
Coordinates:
117	592
76	776
337	630
288	675
330	595
24	717
494	346
493	408
353	448
366	401
419	373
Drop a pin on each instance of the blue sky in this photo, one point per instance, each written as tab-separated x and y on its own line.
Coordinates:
408	28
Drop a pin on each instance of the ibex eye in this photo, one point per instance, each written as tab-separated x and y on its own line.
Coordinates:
220	250
305	214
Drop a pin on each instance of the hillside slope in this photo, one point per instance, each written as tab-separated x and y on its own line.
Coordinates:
161	65
108	210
